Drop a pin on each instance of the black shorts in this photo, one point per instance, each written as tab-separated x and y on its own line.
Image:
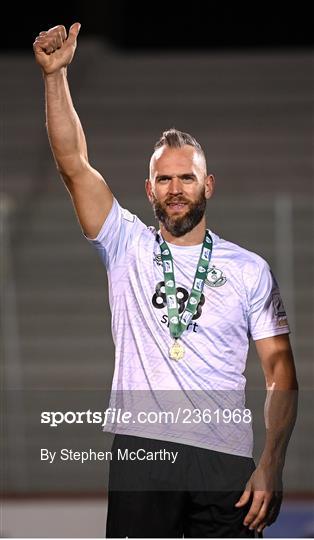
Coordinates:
153	494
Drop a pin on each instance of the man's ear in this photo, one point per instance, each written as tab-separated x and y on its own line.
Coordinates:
149	189
209	185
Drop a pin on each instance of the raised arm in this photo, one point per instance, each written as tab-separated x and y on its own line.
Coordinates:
91	196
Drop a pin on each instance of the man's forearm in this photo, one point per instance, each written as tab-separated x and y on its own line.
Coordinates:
65	132
280	416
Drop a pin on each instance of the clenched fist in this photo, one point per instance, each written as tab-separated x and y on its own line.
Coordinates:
54	49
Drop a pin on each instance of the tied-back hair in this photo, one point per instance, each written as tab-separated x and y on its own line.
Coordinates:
173	138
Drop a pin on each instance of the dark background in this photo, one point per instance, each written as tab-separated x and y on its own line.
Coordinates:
197	24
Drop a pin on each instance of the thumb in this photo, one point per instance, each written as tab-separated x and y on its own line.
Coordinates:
73	32
245	497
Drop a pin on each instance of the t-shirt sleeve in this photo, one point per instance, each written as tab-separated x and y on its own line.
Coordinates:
267	315
119	231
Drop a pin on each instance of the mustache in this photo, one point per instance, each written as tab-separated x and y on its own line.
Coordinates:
176	200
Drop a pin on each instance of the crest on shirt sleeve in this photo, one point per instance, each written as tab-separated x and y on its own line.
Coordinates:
279	309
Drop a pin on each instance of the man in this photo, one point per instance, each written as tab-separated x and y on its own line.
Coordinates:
184	303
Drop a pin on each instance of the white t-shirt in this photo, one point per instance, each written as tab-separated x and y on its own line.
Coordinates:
240	300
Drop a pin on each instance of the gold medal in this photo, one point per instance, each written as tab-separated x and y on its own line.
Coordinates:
176	351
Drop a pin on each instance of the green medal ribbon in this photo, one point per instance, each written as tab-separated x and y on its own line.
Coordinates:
178	323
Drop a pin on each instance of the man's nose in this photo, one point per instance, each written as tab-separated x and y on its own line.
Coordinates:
175	185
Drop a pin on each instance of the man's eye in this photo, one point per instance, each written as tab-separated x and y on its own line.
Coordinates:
188	179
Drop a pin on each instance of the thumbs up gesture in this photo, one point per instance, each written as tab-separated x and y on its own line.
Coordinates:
55	49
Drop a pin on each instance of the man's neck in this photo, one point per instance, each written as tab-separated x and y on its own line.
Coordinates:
192	238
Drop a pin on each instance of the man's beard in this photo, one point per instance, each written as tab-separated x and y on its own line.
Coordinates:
180	225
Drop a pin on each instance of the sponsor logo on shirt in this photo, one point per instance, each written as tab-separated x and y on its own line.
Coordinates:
159	300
